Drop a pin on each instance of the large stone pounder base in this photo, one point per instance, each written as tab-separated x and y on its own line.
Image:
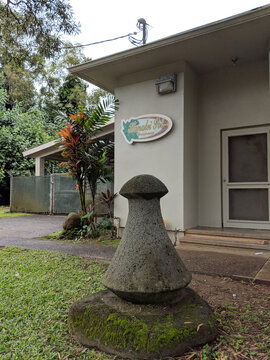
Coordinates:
116	326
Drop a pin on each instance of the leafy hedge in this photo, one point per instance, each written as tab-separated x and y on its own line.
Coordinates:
19	131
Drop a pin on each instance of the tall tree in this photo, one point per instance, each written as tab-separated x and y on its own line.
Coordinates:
55	75
31	34
95	97
30	29
72	95
19	86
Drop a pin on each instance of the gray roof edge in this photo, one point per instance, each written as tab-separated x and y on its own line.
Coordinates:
53	146
43	147
231	21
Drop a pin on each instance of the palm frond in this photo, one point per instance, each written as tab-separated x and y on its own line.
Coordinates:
102	114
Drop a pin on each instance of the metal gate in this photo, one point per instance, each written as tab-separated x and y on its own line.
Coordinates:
52	194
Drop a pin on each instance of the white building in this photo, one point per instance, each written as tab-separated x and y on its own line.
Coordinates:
215	159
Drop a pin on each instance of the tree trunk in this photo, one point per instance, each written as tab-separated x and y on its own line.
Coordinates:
82	197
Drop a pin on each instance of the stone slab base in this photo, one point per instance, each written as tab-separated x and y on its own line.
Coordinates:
119	327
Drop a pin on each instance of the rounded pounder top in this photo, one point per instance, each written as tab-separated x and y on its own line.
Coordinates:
143	187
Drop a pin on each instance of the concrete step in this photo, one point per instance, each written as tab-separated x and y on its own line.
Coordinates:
224	233
231	238
227	242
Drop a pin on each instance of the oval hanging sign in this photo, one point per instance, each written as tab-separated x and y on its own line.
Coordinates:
146	128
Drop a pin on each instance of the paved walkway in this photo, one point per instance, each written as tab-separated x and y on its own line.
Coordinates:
29	227
239	264
25	232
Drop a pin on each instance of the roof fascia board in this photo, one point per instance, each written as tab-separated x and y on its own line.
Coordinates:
43	153
52	147
40	148
232	21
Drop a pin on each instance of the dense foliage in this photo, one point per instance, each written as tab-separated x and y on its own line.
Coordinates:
19	131
36	91
31	43
71	95
32	31
58	90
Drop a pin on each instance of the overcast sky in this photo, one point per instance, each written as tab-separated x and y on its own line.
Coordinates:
105	19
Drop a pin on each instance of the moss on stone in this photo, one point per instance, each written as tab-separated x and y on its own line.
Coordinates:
167	335
147	331
126	332
133	333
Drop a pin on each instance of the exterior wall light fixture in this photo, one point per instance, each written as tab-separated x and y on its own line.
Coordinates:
166	84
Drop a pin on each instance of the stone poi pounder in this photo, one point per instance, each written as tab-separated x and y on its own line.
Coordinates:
146	268
148	312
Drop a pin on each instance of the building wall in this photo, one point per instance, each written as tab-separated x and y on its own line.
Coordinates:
228	98
188	159
190	148
162	158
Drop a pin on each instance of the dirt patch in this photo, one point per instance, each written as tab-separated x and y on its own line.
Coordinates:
219	291
243	315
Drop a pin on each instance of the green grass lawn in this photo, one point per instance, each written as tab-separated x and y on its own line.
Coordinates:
38	287
36	291
4	213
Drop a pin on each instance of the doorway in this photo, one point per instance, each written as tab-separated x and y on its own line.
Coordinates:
245	178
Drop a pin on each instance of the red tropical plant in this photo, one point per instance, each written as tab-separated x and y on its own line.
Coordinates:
71	143
86	156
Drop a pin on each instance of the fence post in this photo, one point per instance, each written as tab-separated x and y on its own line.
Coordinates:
51	194
11	193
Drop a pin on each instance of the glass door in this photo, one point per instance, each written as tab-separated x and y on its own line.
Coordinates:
245	179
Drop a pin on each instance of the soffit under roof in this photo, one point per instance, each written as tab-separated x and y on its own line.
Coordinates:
205	48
